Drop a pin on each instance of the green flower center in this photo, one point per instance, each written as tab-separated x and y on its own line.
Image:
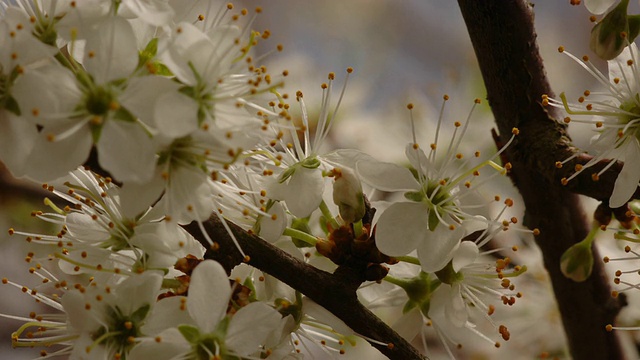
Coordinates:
419	290
122	330
436	196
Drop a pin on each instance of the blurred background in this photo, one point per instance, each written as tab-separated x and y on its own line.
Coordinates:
411	51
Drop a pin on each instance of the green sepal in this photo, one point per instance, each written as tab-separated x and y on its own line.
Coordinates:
139	315
202	115
287	174
416	196
634	27
190	333
96	131
310	163
409	306
433	220
190	91
448	275
124	115
149	52
607	40
248	282
10	104
301	224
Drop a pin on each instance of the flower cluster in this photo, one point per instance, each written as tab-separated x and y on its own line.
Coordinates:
167	103
615	116
456	282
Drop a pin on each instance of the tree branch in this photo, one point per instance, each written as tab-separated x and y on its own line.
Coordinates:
504	40
328	290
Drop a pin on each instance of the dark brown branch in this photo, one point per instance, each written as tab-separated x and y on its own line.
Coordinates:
326	289
504	40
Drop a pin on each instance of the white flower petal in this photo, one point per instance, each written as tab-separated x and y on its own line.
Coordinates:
455	310
347	157
618	68
137	291
126	151
437	250
209	293
319	313
74	305
111	53
167	313
302	192
82	226
409	324
250	327
401	228
154	12
172	346
466	254
386	176
176	115
270	229
17	139
627	182
140	101
598	7
135	198
50	160
419	160
92	255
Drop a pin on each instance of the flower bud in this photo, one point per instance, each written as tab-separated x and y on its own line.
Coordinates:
347	194
577	262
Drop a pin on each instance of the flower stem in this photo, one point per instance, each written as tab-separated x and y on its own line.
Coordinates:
301	235
328	215
408	259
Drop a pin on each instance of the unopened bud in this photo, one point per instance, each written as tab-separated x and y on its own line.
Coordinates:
577	262
347	194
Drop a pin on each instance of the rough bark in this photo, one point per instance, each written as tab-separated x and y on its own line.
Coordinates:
504	41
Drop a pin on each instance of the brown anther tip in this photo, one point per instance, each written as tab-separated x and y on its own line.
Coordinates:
409	106
349	70
558	165
445	97
609	327
561	49
246	258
